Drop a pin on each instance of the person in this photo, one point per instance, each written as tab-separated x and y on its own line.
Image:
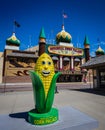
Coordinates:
85	80
56	90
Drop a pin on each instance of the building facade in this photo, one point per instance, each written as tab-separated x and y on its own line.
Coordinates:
97	65
67	58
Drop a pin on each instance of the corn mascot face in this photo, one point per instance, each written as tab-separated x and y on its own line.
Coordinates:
45	69
44	66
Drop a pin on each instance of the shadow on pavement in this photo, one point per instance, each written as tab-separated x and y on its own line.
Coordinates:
20	115
98	91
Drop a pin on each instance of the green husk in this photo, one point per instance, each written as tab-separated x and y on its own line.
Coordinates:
43	104
38	90
51	92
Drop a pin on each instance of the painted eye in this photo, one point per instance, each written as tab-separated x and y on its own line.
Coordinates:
43	62
49	63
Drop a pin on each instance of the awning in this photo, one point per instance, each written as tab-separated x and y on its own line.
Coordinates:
95	62
76	59
55	58
66	59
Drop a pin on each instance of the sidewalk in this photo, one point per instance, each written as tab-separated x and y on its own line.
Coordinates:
84	101
12	87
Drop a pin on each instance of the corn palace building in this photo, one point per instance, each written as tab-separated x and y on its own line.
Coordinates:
67	58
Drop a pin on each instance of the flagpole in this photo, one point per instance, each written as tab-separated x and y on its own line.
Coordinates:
14	28
62	17
62	20
98	41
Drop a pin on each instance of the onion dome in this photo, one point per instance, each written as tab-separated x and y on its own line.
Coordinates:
100	51
63	36
13	40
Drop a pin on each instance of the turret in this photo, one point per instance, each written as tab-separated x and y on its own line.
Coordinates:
42	42
12	43
99	51
86	49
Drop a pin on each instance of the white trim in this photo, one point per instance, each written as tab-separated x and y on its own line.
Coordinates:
66	44
11	47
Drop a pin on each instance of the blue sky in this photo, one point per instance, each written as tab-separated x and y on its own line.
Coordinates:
85	17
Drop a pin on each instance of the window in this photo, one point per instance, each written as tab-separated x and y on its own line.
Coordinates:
102	78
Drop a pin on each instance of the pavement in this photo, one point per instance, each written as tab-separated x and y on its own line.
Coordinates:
79	96
11	87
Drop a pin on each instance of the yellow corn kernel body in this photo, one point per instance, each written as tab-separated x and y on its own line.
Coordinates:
46	82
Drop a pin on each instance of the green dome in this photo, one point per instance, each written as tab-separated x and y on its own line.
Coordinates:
13	40
63	36
100	51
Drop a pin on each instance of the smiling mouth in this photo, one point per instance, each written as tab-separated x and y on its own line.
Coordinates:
45	73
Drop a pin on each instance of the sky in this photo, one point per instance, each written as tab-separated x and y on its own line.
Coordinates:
84	17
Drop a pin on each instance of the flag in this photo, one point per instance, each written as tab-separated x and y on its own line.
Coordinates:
64	15
16	24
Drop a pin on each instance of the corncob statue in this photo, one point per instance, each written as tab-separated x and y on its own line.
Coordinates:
44	83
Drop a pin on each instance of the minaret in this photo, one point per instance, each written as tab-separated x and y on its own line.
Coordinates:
42	42
86	49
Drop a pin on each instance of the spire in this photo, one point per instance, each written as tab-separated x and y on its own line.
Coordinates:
42	42
86	49
14	34
63	28
42	34
86	41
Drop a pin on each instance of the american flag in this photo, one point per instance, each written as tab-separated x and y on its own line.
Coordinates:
64	15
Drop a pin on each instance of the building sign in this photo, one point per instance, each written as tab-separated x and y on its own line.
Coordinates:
66	51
